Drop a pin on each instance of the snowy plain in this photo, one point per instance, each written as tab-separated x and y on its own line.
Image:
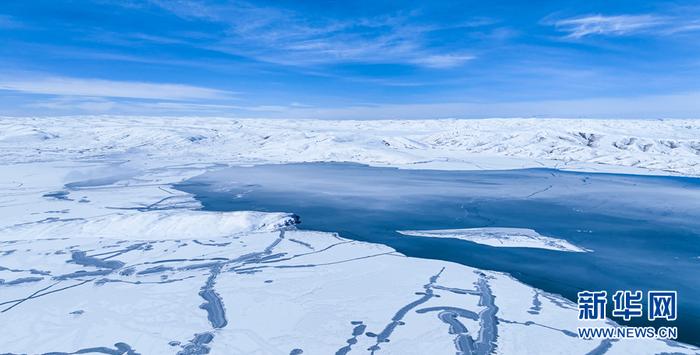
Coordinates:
98	253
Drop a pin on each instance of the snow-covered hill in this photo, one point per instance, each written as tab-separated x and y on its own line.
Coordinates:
639	146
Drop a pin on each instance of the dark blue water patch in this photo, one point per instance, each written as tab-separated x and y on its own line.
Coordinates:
485	343
216	314
77	312
397	319
301	243
536	304
119	349
603	347
7	252
58	211
166	280
82	273
271	257
296	352
114	253
196	138
456	290
464	343
488	331
454	310
20	280
39	272
58	195
643	230
154	270
198	345
80	258
211	244
167	261
358	330
200	266
127	272
31	271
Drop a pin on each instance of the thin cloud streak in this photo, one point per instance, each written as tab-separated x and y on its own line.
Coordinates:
101	105
608	25
67	86
622	25
444	61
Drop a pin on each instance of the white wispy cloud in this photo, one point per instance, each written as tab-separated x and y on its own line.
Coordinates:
608	25
621	25
97	105
444	61
62	105
68	86
287	37
683	27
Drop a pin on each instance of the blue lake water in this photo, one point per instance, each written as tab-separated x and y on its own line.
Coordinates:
644	230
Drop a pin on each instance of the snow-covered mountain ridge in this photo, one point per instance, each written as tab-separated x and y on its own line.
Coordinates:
637	146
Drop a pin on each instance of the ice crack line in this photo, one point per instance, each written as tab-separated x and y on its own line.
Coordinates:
486	342
539	191
383	337
449	315
39	293
119	349
464	342
529	323
358	330
213	303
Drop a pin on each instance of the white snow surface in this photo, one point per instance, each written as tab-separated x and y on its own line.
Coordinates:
97	250
500	237
152	225
638	146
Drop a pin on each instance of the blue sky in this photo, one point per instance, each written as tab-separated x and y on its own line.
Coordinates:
351	59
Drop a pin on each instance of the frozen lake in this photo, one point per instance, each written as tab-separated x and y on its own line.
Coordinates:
639	232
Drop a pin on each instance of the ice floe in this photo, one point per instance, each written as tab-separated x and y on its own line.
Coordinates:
500	237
